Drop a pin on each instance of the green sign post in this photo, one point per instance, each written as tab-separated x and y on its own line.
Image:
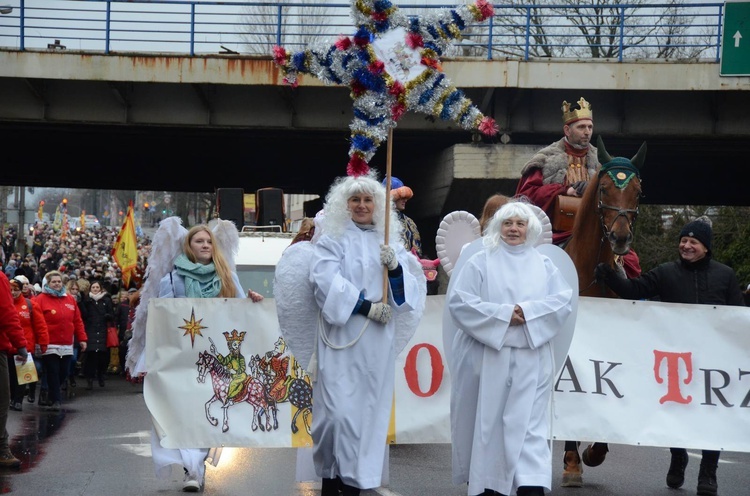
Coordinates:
735	43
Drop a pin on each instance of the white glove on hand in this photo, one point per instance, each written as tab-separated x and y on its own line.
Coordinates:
388	257
380	312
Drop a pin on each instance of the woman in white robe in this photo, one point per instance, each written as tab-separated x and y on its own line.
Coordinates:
508	302
358	334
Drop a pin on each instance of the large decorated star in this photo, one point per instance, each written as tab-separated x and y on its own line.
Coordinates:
392	66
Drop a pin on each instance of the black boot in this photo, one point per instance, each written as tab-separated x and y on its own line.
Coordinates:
530	491
44	398
350	490
707	485
330	487
676	473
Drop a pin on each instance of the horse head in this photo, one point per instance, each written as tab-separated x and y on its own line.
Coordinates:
619	192
202	364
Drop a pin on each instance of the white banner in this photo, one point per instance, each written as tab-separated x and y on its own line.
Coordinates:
640	373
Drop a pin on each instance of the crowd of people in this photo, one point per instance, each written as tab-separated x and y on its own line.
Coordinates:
64	294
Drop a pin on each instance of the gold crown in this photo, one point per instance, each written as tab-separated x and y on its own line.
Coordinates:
583	112
234	336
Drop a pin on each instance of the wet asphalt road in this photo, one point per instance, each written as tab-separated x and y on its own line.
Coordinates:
99	445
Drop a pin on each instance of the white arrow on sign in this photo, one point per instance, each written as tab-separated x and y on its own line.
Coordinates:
737	37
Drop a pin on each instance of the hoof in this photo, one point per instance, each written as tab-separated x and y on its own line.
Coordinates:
594	454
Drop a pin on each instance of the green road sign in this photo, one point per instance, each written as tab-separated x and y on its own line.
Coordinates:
735	43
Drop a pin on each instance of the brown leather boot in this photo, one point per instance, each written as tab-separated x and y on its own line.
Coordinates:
573	470
594	454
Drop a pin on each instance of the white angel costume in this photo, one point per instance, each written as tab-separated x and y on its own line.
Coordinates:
354	387
163	281
500	426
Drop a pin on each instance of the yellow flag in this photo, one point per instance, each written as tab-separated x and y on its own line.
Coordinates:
125	251
82	220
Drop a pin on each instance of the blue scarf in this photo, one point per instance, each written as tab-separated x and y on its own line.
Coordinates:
201	281
53	292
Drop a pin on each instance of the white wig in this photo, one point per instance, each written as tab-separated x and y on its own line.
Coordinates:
337	214
513	208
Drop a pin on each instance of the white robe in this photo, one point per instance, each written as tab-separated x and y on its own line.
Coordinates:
353	391
502	374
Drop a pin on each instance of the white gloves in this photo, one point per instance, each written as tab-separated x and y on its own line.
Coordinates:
380	312
388	257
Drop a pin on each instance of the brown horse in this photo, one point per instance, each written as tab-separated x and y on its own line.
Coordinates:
602	233
604	225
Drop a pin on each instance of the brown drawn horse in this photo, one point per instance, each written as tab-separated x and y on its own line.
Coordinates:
602	233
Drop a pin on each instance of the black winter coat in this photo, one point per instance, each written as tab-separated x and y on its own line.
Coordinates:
705	282
96	316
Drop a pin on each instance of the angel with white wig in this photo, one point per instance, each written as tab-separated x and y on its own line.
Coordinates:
359	323
508	302
198	263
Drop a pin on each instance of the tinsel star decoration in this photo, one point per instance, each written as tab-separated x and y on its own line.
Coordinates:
392	65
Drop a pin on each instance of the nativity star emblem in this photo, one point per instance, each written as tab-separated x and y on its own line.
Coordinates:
392	65
192	327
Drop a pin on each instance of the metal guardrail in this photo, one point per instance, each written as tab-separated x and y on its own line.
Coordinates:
543	31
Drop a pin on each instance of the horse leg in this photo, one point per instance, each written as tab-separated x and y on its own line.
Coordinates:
212	420
306	420
272	407
225	425
294	421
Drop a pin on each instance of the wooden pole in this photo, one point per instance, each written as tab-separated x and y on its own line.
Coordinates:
388	162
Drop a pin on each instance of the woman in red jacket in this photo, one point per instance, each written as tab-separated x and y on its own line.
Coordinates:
64	322
35	330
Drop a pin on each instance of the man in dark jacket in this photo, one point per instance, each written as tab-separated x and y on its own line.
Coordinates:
694	278
11	336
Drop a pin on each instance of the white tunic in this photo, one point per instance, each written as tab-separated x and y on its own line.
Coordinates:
353	391
502	374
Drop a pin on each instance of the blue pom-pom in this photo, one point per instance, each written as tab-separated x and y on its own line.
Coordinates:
298	61
362	142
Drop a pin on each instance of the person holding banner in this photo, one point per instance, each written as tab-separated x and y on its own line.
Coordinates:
508	302
201	270
694	278
360	331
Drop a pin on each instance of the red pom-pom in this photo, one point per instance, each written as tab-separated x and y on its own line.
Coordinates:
414	40
293	83
430	62
397	111
379	16
377	67
486	9
279	55
343	43
396	89
357	166
487	126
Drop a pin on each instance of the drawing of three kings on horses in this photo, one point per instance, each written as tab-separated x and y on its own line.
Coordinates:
274	367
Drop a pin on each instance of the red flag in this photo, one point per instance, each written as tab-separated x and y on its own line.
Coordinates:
125	251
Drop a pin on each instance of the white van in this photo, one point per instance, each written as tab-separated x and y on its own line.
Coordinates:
259	252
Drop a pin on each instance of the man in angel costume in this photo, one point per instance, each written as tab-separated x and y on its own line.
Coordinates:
198	263
509	301
357	334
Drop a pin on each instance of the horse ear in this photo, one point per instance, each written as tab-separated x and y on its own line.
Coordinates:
601	152
640	157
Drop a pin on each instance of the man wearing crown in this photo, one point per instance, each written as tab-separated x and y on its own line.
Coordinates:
564	167
234	362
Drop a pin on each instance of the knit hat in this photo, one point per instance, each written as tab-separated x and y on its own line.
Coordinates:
22	279
398	190
699	229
